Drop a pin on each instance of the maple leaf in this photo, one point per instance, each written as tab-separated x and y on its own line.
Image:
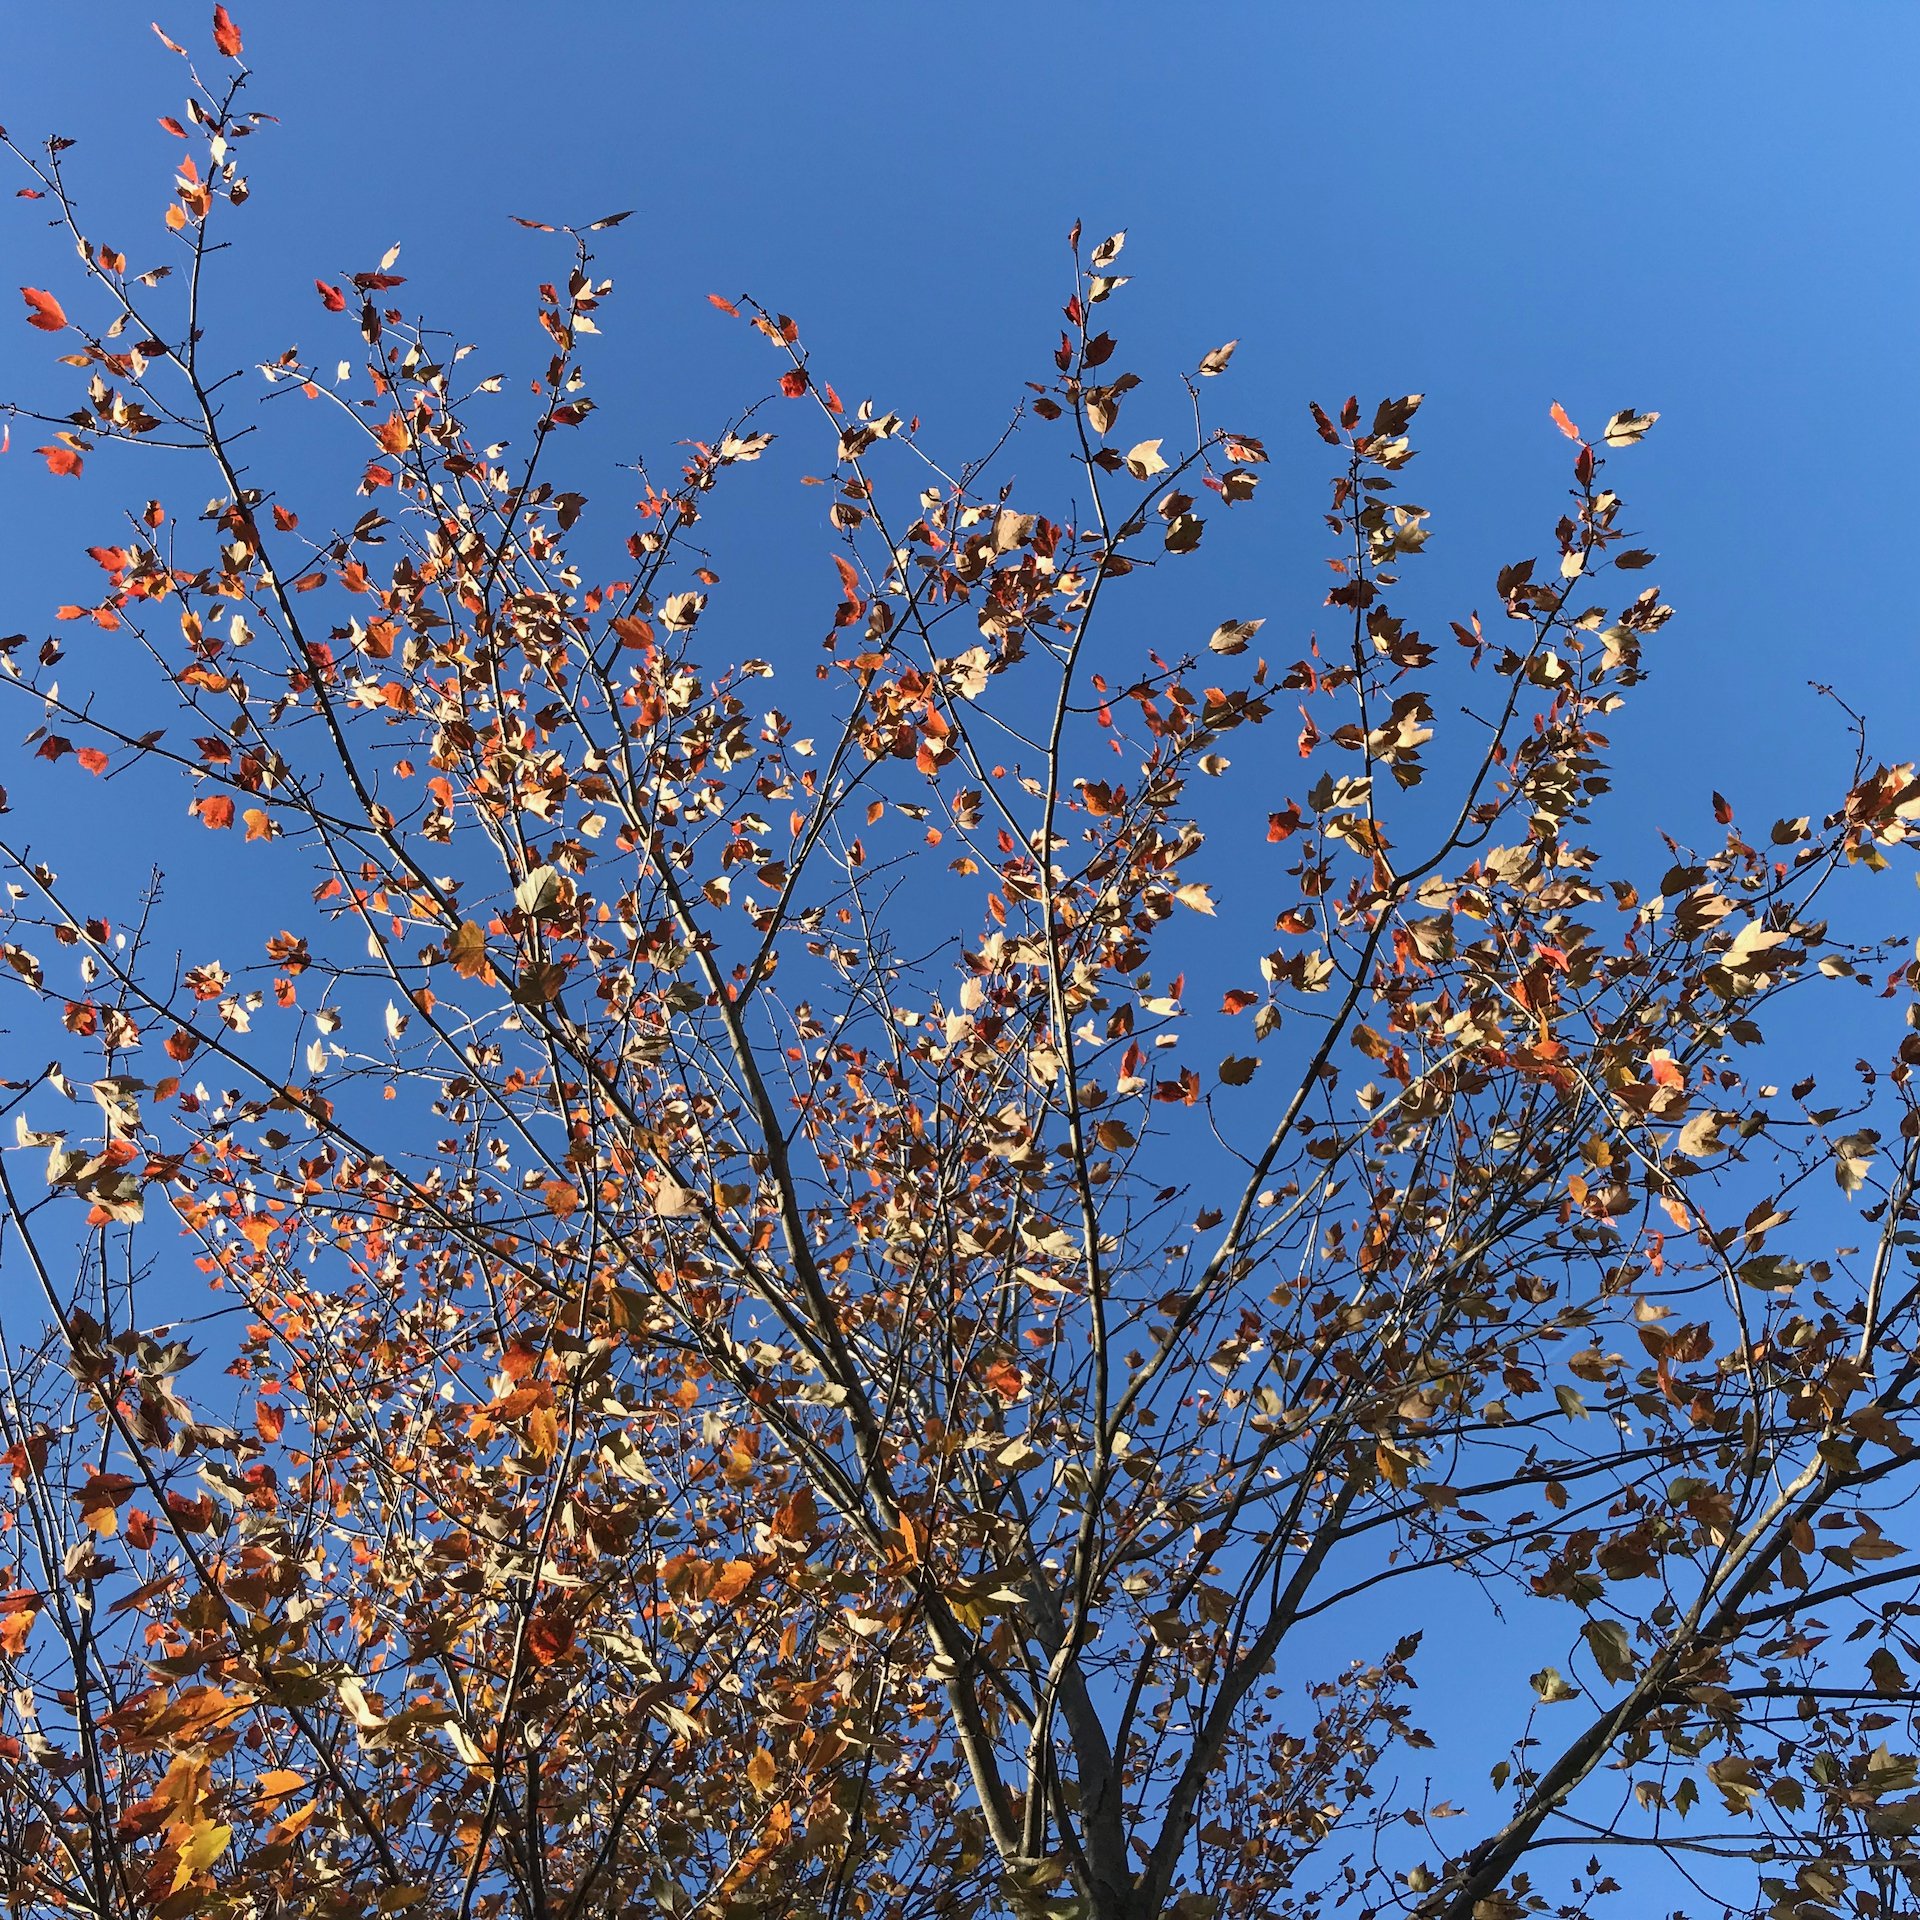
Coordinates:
43	310
467	952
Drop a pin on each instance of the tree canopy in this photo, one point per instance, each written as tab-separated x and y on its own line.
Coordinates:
871	1282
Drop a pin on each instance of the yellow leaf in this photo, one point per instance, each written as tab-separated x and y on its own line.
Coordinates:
204	1846
760	1771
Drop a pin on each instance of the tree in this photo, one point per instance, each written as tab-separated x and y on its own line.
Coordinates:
819	1326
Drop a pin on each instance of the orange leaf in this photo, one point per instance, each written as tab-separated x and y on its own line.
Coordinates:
1558	414
735	1577
793	383
549	1637
259	823
725	306
226	36
44	311
257	1230
99	1501
392	435
60	459
215	810
334	299
92	759
14	1628
277	1783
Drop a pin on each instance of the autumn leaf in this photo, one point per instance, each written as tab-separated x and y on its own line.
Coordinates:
43	310
1144	461
62	460
334	299
550	1636
1627	427
1231	636
226	36
793	383
1551	1687
215	810
467	951
16	1625
733	1579
1558	413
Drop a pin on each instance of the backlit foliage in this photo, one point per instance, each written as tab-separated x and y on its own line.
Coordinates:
848	1289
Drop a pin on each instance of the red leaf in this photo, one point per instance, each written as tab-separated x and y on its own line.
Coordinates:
793	383
215	810
549	1637
833	400
173	126
92	759
60	459
1722	812
725	306
1558	415
849	580
539	226
45	312
332	298
285	520
1238	1000
226	36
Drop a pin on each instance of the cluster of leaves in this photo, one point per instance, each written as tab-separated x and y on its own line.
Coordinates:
781	1370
